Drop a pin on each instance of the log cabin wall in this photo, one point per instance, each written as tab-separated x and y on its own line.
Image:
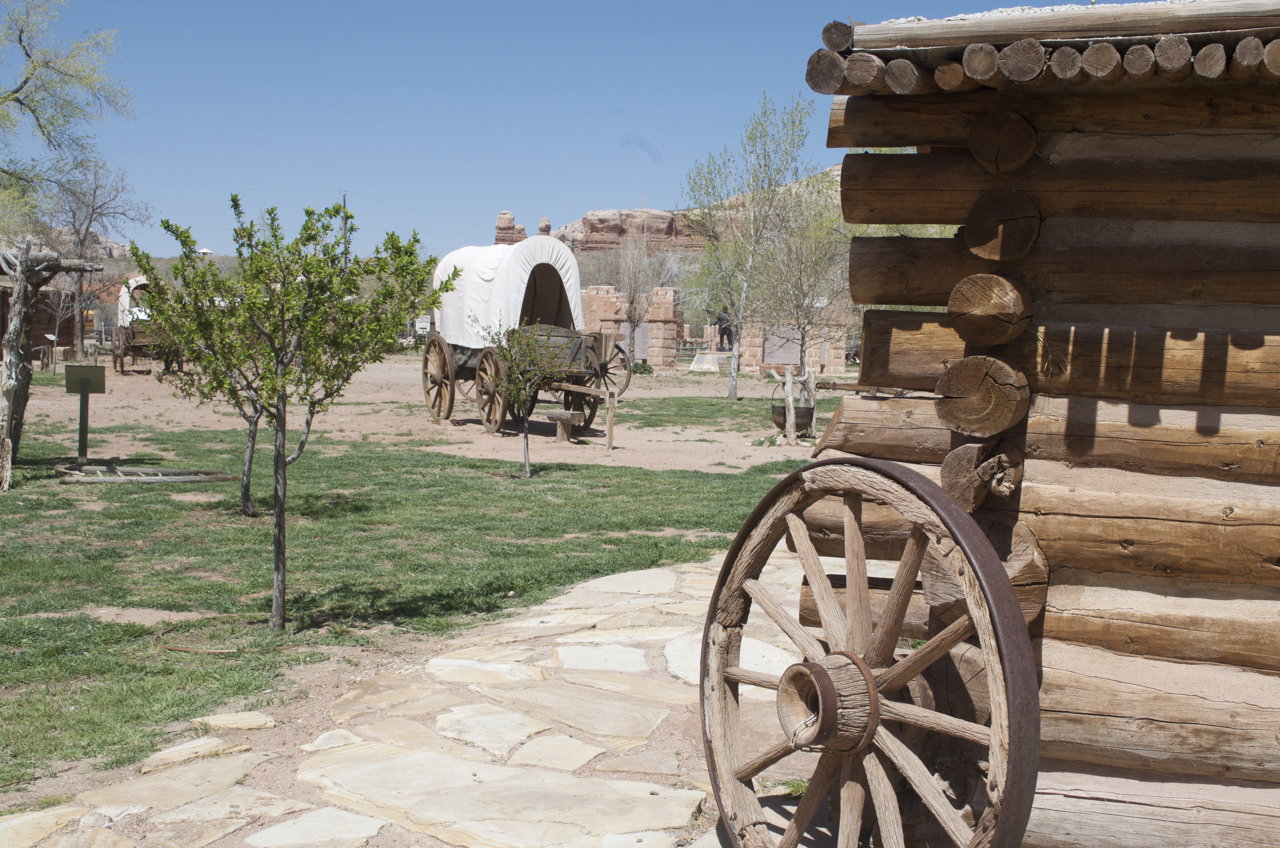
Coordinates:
1103	391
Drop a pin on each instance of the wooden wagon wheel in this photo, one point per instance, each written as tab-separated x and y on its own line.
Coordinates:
617	370
493	406
855	720
587	404
438	378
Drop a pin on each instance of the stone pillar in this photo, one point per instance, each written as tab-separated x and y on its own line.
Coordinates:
544	226
665	319
751	350
601	309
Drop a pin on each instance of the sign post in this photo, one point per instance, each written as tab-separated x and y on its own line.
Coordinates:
85	380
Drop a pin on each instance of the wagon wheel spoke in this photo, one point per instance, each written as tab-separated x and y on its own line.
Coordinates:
853	798
829	611
921	780
934	721
896	676
885	801
808	645
857	593
895	609
735	674
768	759
828	768
617	370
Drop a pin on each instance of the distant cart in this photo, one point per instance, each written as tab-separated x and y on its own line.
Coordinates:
534	285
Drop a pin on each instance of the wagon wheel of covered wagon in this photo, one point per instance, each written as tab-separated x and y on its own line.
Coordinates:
490	370
587	404
438	378
617	370
856	723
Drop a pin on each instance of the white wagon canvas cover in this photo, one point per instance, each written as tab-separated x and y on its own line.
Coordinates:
503	286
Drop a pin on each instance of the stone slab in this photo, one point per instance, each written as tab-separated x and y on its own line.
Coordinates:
205	746
423	706
591	710
235	721
649	762
479	671
425	791
319	826
556	752
684	655
407	733
491	654
602	658
26	829
556	621
651	582
330	739
179	785
378	693
87	837
633	634
196	834
644	839
660	691
105	814
508	834
235	802
488	726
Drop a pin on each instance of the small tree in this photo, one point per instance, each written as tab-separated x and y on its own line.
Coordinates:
806	271
532	362
59	304
298	321
737	207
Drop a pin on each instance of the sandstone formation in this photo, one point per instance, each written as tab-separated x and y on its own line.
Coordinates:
605	229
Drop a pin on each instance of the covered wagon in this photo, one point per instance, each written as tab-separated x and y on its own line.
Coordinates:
1038	585
532	286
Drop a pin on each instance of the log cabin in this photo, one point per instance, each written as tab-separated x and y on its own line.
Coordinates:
1104	385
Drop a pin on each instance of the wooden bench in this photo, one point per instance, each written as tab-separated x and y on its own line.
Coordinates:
565	421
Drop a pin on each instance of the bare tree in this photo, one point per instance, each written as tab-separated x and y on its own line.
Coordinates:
90	201
737	205
805	272
59	303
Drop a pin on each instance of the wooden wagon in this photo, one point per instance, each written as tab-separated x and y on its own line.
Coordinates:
1052	615
532	286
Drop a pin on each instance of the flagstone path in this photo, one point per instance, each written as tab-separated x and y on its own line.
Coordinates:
574	724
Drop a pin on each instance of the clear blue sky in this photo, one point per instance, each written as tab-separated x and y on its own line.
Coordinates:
436	116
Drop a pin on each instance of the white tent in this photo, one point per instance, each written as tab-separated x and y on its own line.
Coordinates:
503	286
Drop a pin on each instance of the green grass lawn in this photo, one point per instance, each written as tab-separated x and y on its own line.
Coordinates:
745	415
378	534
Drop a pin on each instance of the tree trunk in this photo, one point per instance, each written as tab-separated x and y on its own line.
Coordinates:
527	471
246	498
277	539
631	340
79	316
15	382
733	363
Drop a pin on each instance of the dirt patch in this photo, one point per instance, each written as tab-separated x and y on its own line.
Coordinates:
197	497
125	615
384	404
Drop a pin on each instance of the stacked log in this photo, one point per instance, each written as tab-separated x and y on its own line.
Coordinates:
1104	385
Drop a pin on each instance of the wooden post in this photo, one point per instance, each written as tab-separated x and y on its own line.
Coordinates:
83	453
611	403
787	390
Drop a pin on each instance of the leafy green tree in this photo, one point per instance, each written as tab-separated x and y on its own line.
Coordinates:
531	362
738	206
55	91
295	324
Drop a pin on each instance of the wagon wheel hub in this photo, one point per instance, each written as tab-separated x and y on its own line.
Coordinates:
832	703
